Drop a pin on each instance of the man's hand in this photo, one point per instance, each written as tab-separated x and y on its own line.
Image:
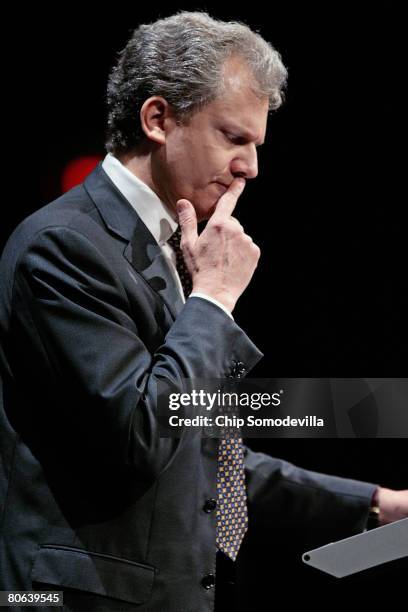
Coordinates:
393	505
223	258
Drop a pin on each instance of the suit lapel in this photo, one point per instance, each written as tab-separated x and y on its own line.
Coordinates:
151	263
142	251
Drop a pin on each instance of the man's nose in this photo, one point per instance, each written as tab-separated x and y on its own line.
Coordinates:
246	164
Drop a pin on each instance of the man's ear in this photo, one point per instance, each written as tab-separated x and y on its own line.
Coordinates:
154	115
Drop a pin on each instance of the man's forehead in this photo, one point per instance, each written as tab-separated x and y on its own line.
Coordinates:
239	100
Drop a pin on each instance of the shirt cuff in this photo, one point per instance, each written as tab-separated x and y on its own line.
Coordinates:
210	299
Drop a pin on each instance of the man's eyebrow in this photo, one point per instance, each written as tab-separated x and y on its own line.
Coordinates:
258	143
242	133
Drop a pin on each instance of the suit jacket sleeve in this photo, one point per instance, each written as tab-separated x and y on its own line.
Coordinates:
71	313
282	495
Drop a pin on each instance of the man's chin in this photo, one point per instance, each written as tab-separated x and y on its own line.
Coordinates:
206	211
207	203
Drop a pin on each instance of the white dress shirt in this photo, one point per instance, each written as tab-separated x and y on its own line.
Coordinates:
157	217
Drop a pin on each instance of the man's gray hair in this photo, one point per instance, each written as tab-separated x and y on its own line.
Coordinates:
181	58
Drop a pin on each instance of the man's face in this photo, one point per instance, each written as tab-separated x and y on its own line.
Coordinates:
200	159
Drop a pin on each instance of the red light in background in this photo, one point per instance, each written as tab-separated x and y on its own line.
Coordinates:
76	170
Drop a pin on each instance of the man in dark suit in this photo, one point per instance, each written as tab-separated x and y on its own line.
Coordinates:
98	305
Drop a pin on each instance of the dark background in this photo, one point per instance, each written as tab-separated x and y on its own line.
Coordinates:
329	297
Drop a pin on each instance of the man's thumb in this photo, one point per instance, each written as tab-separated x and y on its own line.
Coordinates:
187	219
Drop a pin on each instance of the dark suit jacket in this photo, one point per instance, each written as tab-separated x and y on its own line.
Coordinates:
94	501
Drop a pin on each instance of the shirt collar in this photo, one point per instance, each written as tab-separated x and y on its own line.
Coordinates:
159	220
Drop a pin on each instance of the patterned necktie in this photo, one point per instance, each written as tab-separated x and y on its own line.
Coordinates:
184	274
232	512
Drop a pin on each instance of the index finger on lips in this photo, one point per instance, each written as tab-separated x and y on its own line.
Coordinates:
228	201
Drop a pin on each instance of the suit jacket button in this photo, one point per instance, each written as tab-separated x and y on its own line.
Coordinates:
210	505
208	581
238	370
241	367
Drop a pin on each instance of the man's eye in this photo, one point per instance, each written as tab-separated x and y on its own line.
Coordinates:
235	139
